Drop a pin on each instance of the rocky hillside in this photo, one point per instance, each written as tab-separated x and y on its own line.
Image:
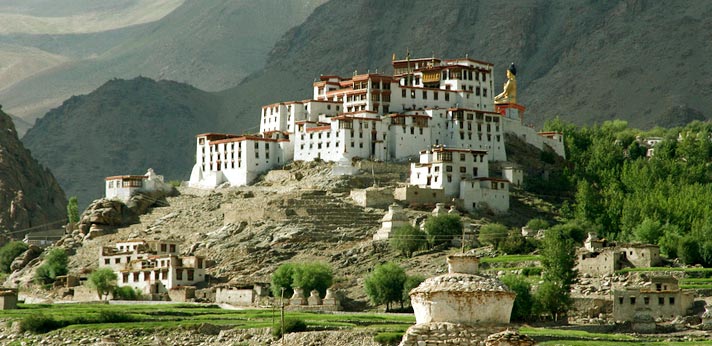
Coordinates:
210	44
29	195
124	127
622	75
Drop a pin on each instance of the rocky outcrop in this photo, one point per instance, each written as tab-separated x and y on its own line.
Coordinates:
105	215
25	258
29	195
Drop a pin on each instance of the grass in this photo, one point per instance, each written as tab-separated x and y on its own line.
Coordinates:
104	316
510	259
568	337
663	269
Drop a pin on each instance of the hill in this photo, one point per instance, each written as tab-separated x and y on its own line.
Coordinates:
123	127
210	44
30	198
542	37
641	61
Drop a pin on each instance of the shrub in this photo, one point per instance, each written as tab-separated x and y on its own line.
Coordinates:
9	252
442	228
388	338
537	224
385	284
104	281
493	234
126	293
515	243
108	316
55	264
407	239
308	276
291	325
688	250
39	324
524	301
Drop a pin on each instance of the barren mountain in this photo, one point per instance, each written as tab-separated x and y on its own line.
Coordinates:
30	198
637	60
210	44
124	127
585	62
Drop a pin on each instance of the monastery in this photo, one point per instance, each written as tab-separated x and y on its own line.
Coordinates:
442	113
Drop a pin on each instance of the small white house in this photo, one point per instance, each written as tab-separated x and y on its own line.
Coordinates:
122	187
444	168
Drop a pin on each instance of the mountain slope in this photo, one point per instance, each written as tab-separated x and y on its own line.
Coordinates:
29	195
210	44
642	61
124	127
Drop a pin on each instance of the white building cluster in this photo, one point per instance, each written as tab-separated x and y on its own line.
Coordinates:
152	267
440	110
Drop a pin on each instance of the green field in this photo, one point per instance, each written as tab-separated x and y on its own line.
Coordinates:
142	316
153	316
510	259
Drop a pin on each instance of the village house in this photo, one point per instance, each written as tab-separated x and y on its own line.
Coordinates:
597	258
428	106
151	266
661	297
122	187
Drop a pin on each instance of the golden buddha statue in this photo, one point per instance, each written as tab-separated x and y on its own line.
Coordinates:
509	95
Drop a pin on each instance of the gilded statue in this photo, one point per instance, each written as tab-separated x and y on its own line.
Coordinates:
509	95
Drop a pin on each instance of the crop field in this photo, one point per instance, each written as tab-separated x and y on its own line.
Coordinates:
153	316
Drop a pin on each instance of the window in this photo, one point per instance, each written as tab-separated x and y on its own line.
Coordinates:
463	169
425	95
449	178
179	274
661	301
412	94
484	92
671	300
107	261
474	171
190	274
447	96
646	300
435	95
448	168
632	300
620	300
402	92
117	260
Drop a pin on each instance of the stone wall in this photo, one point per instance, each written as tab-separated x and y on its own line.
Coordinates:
373	197
415	195
235	296
453	334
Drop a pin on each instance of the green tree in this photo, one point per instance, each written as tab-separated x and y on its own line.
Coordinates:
410	283
407	239
688	250
493	234
442	228
385	284
308	276
103	280
558	260
537	224
54	265
73	210
549	300
524	301
9	252
649	231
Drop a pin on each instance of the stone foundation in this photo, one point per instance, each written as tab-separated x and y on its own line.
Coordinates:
453	334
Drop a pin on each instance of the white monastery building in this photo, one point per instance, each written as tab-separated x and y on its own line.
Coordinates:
122	187
428	108
152	266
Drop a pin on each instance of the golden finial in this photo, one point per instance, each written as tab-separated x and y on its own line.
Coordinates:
394	57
